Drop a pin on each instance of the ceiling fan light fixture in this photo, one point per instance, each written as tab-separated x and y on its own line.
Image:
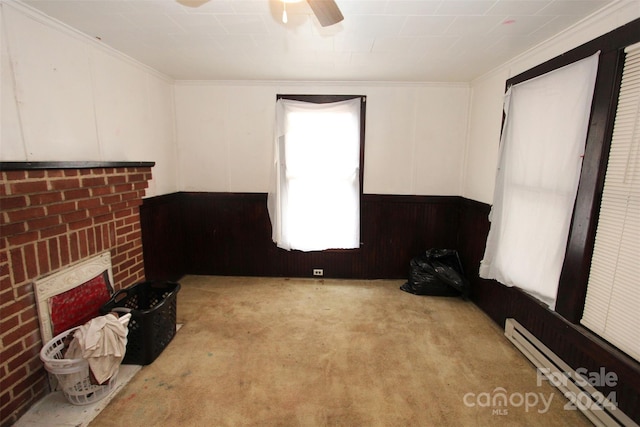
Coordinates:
326	11
285	18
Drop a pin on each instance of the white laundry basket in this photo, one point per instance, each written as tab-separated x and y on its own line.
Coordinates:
73	375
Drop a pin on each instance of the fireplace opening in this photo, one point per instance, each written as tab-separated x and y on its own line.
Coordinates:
74	295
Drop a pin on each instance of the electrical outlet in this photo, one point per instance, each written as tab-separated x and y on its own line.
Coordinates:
318	272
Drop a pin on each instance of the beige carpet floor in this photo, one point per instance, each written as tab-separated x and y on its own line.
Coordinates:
303	352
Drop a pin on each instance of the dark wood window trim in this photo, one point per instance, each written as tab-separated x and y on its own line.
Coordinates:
574	277
325	99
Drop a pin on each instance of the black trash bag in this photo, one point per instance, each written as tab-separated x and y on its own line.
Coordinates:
437	272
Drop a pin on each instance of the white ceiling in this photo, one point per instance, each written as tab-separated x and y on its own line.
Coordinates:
379	40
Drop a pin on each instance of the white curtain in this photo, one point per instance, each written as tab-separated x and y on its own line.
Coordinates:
539	167
314	202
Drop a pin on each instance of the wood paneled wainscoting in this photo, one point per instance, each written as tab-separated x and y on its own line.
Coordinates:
230	234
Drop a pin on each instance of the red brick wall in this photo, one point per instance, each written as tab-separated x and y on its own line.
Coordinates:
50	219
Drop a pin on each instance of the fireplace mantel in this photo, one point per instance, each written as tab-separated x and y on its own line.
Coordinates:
17	166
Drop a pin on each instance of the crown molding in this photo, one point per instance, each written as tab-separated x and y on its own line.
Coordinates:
321	83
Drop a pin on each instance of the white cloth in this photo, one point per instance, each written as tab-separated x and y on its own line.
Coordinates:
540	161
102	341
314	194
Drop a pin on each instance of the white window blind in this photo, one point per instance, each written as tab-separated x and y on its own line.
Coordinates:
612	305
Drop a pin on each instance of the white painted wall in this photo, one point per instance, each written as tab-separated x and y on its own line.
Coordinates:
415	135
65	97
485	114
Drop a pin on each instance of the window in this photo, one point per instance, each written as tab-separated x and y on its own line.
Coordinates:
315	200
546	123
613	294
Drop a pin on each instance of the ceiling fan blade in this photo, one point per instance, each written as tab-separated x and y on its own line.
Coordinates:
326	11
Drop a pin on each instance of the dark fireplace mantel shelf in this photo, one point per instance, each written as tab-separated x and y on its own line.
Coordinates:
17	166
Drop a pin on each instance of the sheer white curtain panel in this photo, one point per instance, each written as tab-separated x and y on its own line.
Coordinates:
314	202
541	150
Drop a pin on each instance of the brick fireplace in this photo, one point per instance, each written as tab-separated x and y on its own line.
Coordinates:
53	215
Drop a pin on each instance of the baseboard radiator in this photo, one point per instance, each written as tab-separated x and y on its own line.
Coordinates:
579	391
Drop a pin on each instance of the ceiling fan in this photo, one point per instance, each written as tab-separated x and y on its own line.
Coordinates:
326	11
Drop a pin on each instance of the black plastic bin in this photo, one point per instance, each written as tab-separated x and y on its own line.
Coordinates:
153	308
